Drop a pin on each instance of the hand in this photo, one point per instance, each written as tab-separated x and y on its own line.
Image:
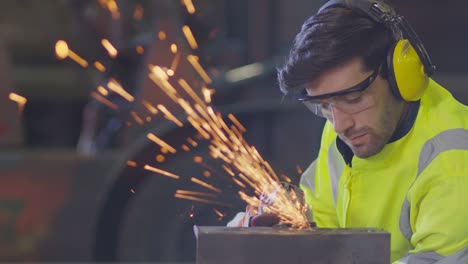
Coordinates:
245	219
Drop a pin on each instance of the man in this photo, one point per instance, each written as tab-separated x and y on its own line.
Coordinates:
394	148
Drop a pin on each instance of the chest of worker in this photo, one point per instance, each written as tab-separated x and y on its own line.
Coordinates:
371	191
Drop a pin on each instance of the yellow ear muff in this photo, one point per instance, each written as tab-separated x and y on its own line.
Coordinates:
408	70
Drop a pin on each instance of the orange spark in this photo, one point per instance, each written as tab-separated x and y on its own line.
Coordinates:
185	147
206	185
189	36
207	94
138	12
175	62
192	142
162	35
228	144
99	66
198	159
196	199
150	107
160	78
197	126
286	178
169	116
207	174
102	90
228	170
196	65
298	169
160	142
62	51
236	122
190	91
170	72
131	163
111	6
139	49
161	74
188	109
104	100
111	50
117	88
137	118
250	200
162	172
160	158
211	124
173	48
248	181
220	215
193	193
268	167
20	100
216	153
239	183
189	5
148	119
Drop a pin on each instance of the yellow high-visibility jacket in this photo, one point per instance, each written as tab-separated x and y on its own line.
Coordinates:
416	188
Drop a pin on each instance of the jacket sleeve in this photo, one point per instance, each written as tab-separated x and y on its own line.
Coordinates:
315	183
323	212
439	221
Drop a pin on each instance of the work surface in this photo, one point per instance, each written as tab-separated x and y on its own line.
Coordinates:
286	245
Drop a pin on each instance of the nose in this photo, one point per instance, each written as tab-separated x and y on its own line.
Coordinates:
341	121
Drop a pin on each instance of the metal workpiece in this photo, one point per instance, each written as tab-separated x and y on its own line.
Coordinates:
273	245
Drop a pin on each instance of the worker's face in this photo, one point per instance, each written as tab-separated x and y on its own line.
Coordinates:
367	131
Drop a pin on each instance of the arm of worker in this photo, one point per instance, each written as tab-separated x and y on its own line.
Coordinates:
439	220
318	196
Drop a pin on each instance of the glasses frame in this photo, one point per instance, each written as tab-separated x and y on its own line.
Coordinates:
360	87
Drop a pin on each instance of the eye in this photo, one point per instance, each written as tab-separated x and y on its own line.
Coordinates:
325	105
352	98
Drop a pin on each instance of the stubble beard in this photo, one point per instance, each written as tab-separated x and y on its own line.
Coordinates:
371	147
377	140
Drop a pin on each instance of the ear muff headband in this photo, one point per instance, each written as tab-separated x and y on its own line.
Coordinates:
409	64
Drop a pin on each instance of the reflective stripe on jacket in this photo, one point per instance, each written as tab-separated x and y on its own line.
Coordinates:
416	188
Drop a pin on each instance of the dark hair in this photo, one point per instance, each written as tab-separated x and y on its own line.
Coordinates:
330	38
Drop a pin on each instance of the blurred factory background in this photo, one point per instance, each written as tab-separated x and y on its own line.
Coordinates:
66	191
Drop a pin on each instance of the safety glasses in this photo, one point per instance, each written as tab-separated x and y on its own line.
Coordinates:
352	100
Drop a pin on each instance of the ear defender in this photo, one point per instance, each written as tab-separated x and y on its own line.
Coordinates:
406	72
409	69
